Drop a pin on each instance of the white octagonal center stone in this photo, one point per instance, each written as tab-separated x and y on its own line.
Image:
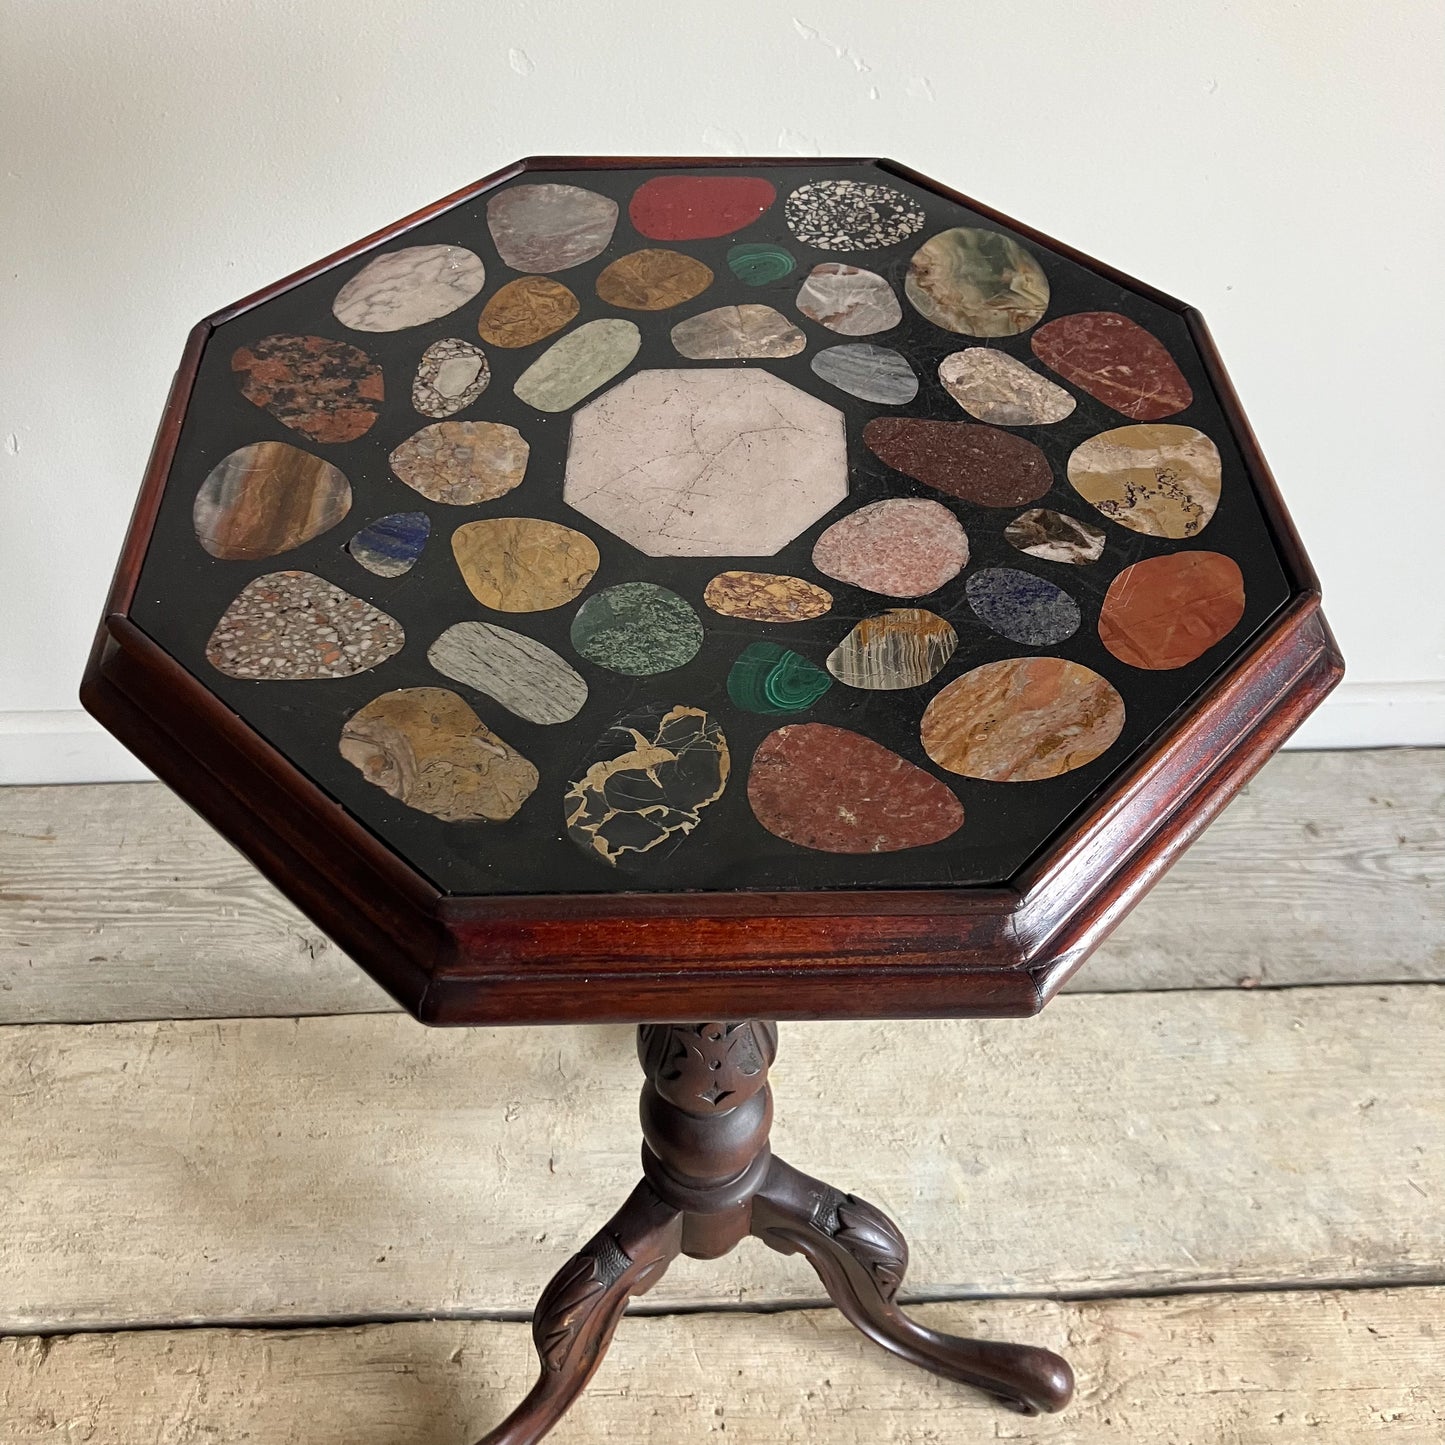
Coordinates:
726	462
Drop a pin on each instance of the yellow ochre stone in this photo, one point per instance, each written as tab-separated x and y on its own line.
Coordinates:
523	564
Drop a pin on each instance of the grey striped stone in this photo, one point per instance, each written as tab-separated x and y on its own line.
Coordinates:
522	674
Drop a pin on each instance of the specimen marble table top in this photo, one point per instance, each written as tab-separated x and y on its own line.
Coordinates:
743	528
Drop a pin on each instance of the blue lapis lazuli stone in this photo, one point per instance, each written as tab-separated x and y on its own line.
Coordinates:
390	545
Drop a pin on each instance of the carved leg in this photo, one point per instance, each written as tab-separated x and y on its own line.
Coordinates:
578	1312
861	1256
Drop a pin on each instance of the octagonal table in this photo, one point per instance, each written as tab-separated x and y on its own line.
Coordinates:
654	591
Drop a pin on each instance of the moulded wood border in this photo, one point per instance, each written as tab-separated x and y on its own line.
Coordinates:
640	957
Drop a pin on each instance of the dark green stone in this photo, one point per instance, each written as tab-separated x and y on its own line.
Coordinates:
757	263
771	680
637	629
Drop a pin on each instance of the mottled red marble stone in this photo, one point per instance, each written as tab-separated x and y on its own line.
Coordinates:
1166	611
836	791
692	208
973	463
1116	361
327	390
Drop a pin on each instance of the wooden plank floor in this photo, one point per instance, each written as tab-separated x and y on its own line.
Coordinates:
220	1150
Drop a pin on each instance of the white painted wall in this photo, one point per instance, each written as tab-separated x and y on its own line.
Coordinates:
1281	165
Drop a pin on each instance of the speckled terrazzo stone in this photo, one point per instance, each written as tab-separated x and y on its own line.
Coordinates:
1116	361
451	375
871	373
766	597
391	545
902	547
904	647
652	280
519	672
735	333
759	263
976	282
427	748
295	626
329	391
1162	480
462	462
997	388
550	227
848	300
409	288
266	498
696	208
973	463
637	629
1165	612
835	791
523	564
1021	607
578	364
1022	720
851	215
643	788
526	311
1055	537
773	680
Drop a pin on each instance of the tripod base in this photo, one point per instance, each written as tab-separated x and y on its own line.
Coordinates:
710	1180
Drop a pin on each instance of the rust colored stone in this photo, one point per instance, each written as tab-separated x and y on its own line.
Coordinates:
693	208
328	391
835	791
973	463
526	311
1116	361
1167	611
652	280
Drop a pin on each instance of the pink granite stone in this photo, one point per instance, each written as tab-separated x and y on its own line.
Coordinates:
904	547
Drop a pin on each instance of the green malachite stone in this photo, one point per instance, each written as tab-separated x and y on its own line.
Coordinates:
773	680
637	629
757	263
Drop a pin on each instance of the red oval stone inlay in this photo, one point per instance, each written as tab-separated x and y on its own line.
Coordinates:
973	463
836	791
1116	361
1166	611
692	208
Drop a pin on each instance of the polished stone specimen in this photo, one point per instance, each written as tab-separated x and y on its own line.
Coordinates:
1159	479
637	629
999	389
297	627
652	280
409	287
737	333
519	672
1022	607
766	597
851	215
773	680
578	364
523	564
759	263
1167	611
329	391
1116	361
462	462
266	498
903	647
871	373
451	375
848	300
835	791
977	283
645	785
902	547
391	545
695	208
425	747
716	462
1055	537
550	227
973	463
526	311
1021	720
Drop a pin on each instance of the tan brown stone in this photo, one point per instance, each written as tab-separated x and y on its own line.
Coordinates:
525	311
652	280
1159	479
523	564
766	597
462	462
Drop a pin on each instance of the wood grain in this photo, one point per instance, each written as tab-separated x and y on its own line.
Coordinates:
355	1167
117	902
1302	1368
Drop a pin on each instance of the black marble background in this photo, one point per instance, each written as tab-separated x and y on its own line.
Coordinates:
183	591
